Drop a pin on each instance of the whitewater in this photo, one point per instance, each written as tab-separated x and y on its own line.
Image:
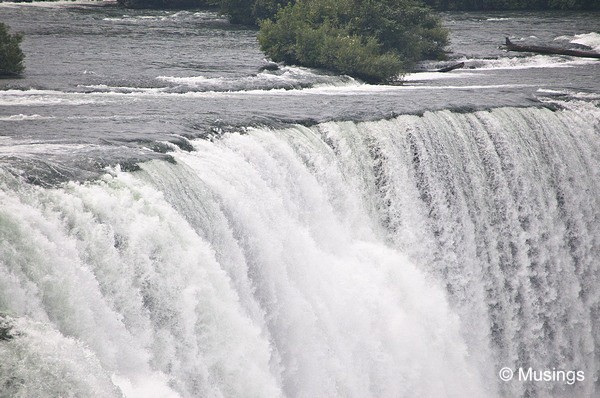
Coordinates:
177	223
309	262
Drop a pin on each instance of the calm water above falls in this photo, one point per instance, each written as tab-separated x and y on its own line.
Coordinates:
174	223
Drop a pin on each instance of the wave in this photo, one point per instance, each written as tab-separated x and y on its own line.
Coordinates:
108	89
317	90
39	148
45	97
287	77
570	93
588	39
525	62
428	76
21	117
591	40
53	4
168	16
581	102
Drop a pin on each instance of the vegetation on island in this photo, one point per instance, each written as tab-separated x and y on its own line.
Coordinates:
11	56
372	40
250	12
503	5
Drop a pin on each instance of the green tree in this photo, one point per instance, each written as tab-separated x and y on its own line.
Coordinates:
11	56
250	12
374	40
406	26
239	11
264	9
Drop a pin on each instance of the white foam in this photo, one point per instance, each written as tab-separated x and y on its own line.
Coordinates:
169	16
571	99
425	76
286	77
42	148
563	38
588	39
44	97
143	386
49	98
21	117
367	88
191	80
343	259
106	89
527	62
53	4
45	362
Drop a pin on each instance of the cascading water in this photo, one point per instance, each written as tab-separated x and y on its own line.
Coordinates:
411	257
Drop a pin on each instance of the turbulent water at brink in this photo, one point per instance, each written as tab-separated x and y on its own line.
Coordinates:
148	249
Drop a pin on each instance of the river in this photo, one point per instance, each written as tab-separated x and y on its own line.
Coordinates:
176	223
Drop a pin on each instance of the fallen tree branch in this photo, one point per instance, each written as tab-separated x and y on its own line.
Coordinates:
452	67
510	46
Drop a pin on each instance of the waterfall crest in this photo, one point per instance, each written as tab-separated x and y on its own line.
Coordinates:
407	257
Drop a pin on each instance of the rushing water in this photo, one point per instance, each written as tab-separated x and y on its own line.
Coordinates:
174	223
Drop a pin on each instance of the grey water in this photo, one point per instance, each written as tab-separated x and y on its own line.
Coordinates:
175	222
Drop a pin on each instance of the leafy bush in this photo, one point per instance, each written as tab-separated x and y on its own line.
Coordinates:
374	40
11	56
250	12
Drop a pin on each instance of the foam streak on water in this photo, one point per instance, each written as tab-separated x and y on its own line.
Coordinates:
400	258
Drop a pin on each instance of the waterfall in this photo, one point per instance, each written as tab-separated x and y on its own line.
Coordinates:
411	257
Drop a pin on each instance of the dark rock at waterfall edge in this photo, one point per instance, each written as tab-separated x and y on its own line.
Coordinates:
6	328
270	66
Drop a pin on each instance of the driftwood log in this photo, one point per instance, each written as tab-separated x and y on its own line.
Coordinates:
510	46
451	67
